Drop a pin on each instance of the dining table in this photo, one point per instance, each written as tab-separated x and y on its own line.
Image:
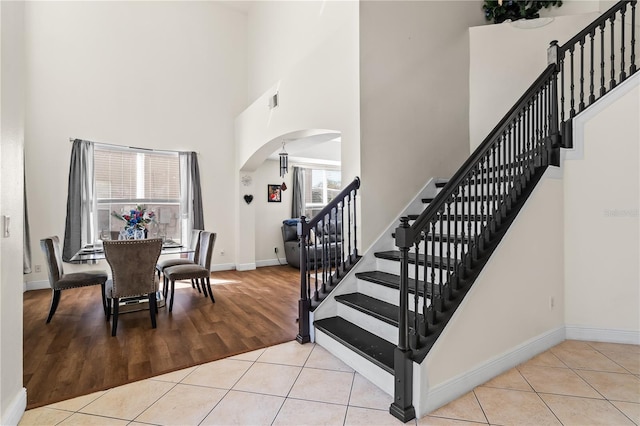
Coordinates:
92	253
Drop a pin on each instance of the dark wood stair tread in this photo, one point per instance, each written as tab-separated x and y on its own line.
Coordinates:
376	308
368	345
435	261
392	281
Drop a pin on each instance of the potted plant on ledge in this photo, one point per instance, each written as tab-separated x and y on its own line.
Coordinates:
502	10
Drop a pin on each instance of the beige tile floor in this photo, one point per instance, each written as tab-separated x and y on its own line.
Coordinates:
574	383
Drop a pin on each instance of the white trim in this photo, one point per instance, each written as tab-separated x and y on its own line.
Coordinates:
245	266
223	267
579	332
271	262
456	387
36	285
16	408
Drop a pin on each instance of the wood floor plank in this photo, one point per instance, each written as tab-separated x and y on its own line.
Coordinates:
75	354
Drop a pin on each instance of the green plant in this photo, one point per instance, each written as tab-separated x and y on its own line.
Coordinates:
500	10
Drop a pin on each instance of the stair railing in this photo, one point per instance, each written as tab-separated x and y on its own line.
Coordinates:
594	62
328	250
461	226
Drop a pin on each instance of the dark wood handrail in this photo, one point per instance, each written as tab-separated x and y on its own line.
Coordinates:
594	25
471	162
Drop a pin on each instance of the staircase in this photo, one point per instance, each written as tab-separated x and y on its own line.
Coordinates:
388	312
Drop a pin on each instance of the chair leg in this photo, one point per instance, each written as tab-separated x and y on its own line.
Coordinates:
209	286
196	284
114	322
200	282
104	299
108	309
173	287
153	308
55	299
165	287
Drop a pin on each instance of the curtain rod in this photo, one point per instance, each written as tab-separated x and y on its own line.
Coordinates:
132	147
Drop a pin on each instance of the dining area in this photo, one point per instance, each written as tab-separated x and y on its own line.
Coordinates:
135	272
76	353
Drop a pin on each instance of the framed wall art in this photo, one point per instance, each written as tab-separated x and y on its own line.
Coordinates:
274	193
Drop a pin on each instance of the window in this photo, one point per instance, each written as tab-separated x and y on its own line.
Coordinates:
320	187
126	177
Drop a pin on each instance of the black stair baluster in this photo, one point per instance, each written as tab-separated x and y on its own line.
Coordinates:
592	97
355	227
509	164
349	227
448	242
581	105
462	233
632	60
572	111
612	82
562	99
455	225
603	89
434	299
420	327
623	74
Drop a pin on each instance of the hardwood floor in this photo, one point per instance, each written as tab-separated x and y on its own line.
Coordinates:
75	354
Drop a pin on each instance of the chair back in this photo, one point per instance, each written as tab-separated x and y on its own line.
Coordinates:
51	248
133	265
194	244
207	241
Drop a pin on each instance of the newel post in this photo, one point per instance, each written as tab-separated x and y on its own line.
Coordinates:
402	406
554	131
304	304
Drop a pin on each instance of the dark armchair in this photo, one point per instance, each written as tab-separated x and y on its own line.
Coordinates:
322	245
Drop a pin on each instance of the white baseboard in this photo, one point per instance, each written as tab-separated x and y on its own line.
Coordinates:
245	266
577	332
36	285
223	267
464	383
271	262
16	408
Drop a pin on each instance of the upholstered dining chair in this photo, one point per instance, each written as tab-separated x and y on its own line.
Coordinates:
59	281
194	244
201	270
133	273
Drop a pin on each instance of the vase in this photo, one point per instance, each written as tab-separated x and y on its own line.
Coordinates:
132	234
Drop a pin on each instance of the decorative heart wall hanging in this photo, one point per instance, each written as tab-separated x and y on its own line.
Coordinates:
248	199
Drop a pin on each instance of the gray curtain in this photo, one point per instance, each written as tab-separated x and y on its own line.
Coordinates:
297	206
78	229
190	194
26	234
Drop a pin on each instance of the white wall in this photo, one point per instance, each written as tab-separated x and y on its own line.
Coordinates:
166	75
505	61
414	73
269	216
602	237
505	306
13	398
316	75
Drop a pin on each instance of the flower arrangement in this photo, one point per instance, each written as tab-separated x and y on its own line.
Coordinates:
500	10
137	218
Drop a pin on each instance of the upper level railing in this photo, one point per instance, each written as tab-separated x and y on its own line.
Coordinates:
328	249
446	245
595	61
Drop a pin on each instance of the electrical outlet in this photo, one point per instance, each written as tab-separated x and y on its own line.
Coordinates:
275	249
222	252
37	268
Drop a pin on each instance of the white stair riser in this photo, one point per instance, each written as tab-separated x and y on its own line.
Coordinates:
382	329
393	267
366	368
385	294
